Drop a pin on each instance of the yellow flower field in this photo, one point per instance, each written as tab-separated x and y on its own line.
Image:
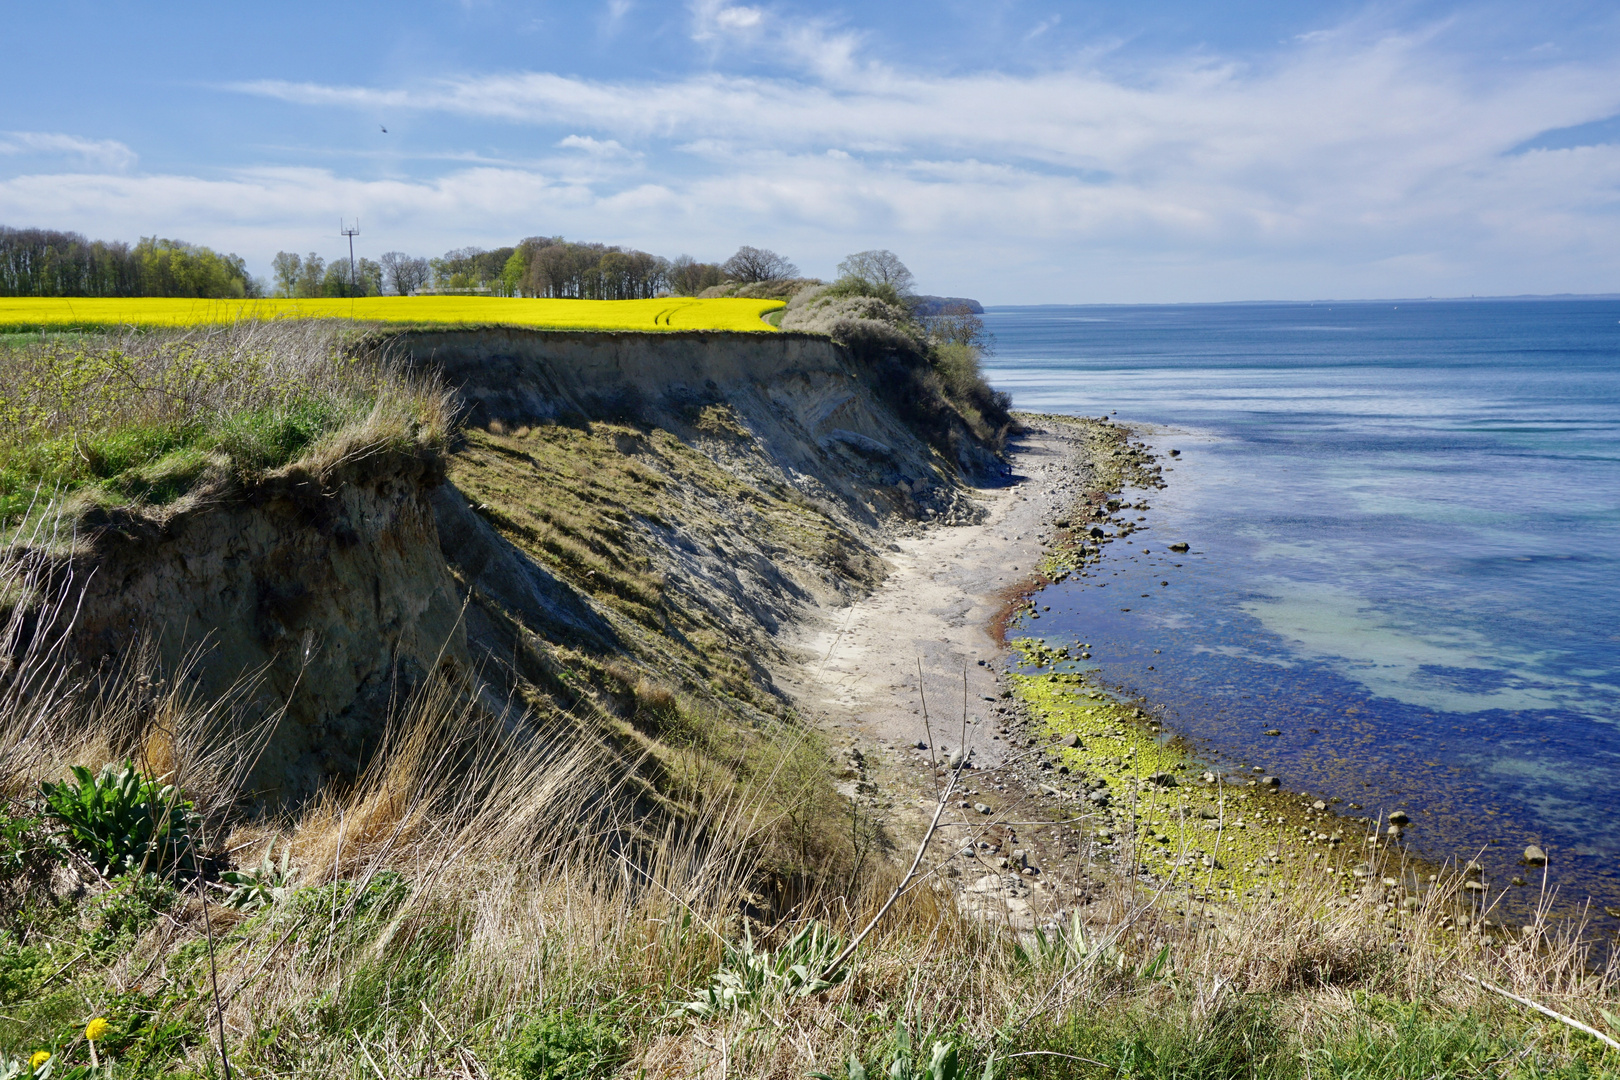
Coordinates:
675	313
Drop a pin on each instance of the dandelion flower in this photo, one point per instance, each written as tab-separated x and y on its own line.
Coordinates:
40	1057
96	1029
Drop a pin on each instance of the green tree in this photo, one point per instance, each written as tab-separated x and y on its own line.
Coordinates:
288	268
314	274
369	274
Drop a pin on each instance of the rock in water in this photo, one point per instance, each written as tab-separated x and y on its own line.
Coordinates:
1400	818
1534	856
1180	545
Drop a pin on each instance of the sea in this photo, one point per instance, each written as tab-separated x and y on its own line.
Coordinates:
1403	521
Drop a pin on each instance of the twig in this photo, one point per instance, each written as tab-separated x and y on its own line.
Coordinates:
1543	1010
369	1060
1054	1053
849	950
213	979
268	957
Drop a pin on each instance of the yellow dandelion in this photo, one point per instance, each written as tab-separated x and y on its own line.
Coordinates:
40	1057
96	1029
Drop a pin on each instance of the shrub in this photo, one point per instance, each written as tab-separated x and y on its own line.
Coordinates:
122	821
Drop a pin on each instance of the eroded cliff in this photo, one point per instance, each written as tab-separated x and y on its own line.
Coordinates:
616	535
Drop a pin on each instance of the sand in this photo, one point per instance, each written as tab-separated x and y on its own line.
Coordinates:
857	667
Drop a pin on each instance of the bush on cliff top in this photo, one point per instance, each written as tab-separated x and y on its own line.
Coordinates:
930	373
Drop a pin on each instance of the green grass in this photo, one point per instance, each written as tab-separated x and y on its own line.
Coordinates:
1377	1038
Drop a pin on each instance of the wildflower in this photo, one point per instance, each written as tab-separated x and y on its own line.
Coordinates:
96	1029
40	1057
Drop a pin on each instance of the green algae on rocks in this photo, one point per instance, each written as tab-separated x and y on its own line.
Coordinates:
1209	835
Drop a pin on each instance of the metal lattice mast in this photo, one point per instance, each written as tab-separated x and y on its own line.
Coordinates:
351	234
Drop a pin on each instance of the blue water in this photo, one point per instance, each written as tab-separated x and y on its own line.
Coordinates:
1405	532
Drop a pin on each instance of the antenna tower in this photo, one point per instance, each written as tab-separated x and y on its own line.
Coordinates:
344	230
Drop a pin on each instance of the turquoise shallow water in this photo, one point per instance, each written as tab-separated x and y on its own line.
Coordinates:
1405	530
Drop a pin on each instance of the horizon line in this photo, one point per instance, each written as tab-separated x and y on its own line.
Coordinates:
1364	300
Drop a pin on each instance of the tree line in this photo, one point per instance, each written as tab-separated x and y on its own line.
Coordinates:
45	262
540	266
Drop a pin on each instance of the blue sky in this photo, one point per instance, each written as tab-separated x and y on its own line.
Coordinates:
1012	151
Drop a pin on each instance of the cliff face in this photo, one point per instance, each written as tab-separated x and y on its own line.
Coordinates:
618	510
801	395
330	591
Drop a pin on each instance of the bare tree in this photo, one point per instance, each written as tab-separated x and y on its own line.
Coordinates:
419	273
391	262
881	267
758	264
403	275
958	324
688	277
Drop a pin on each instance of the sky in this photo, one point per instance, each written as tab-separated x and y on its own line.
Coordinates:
1012	151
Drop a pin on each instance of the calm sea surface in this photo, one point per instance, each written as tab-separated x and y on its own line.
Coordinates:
1405	530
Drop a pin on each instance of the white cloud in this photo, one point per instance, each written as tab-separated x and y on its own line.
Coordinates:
714	19
1042	27
738	18
104	152
1347	164
594	147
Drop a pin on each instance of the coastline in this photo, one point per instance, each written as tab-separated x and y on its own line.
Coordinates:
1067	780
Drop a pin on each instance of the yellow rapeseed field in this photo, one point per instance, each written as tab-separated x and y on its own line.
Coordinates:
675	313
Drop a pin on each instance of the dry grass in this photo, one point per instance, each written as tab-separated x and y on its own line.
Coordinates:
478	876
